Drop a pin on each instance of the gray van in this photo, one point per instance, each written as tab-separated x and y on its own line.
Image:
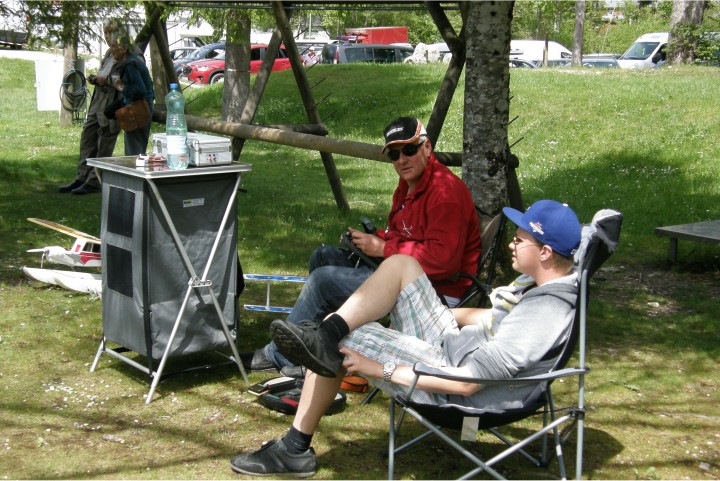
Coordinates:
358	52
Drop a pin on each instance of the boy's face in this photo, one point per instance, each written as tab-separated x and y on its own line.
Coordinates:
525	252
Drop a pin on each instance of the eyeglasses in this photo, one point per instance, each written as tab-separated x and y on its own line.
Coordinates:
408	150
517	241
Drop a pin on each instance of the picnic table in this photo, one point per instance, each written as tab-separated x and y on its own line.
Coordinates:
705	232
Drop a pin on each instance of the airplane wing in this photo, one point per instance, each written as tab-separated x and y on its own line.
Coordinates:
65	230
85	251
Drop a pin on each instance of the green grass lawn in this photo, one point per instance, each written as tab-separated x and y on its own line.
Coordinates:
643	142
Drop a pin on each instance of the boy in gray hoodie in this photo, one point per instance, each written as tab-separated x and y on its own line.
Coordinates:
517	336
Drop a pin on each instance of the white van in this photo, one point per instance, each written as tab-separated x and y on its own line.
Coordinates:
532	50
646	52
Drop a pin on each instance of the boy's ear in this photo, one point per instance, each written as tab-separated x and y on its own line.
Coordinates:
546	252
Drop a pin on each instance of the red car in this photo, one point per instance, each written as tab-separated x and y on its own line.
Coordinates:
211	71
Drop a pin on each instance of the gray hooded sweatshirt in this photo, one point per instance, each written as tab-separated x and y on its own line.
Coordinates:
538	323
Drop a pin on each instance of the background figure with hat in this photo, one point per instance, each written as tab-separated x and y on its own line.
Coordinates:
310	58
528	320
432	219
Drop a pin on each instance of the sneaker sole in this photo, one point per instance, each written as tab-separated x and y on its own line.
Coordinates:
292	346
293	475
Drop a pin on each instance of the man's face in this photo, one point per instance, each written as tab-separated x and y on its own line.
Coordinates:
525	251
411	167
107	31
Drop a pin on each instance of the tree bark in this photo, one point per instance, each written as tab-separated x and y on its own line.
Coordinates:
237	65
685	20
236	89
487	105
69	61
579	33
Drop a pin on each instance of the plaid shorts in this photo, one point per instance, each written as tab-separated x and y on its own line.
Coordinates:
419	324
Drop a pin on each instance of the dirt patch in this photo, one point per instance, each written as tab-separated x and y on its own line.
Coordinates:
664	287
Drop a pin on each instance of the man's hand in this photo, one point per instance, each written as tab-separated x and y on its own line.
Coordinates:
370	244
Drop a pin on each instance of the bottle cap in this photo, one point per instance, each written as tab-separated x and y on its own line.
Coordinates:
173	86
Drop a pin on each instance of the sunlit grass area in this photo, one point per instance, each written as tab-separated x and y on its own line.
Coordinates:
642	142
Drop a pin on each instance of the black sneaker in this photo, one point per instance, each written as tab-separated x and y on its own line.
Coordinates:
257	361
65	189
273	458
86	189
296	372
308	345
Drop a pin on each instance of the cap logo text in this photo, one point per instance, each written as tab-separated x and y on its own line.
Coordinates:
392	131
536	227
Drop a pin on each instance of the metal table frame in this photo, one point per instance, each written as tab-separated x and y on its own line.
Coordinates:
126	165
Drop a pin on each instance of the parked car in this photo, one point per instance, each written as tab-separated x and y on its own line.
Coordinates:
376	53
533	50
178	53
646	52
206	52
520	63
600	61
205	72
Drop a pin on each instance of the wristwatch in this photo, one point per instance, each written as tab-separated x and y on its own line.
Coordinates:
388	370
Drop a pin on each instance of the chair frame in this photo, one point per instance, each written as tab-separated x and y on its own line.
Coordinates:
597	250
492	238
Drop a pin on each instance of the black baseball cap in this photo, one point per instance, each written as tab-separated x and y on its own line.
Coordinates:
403	130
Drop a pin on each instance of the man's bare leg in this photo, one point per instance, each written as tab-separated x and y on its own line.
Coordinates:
377	296
316	346
317	395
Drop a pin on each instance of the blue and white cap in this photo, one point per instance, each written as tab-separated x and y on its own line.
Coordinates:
551	223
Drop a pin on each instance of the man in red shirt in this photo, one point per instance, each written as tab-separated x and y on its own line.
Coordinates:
432	219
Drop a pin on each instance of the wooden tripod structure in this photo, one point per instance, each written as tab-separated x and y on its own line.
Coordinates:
313	136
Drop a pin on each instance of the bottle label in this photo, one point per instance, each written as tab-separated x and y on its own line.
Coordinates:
176	145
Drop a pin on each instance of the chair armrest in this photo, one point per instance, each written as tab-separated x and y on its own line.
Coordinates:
421	369
476	282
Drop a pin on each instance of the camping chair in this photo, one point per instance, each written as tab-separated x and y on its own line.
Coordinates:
598	242
491	240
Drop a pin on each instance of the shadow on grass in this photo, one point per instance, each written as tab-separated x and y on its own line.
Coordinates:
433	459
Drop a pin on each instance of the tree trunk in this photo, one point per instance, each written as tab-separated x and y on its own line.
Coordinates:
685	21
160	83
236	89
579	33
487	86
69	62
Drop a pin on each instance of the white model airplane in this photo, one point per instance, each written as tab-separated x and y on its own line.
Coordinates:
85	252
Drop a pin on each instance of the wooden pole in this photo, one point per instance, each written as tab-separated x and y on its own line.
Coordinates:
283	24
160	36
261	79
452	74
291	138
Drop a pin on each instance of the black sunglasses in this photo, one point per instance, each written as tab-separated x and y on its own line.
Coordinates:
409	150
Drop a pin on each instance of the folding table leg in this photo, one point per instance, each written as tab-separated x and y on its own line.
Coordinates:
194	283
101	349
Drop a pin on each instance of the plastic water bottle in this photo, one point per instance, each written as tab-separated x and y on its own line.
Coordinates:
176	129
